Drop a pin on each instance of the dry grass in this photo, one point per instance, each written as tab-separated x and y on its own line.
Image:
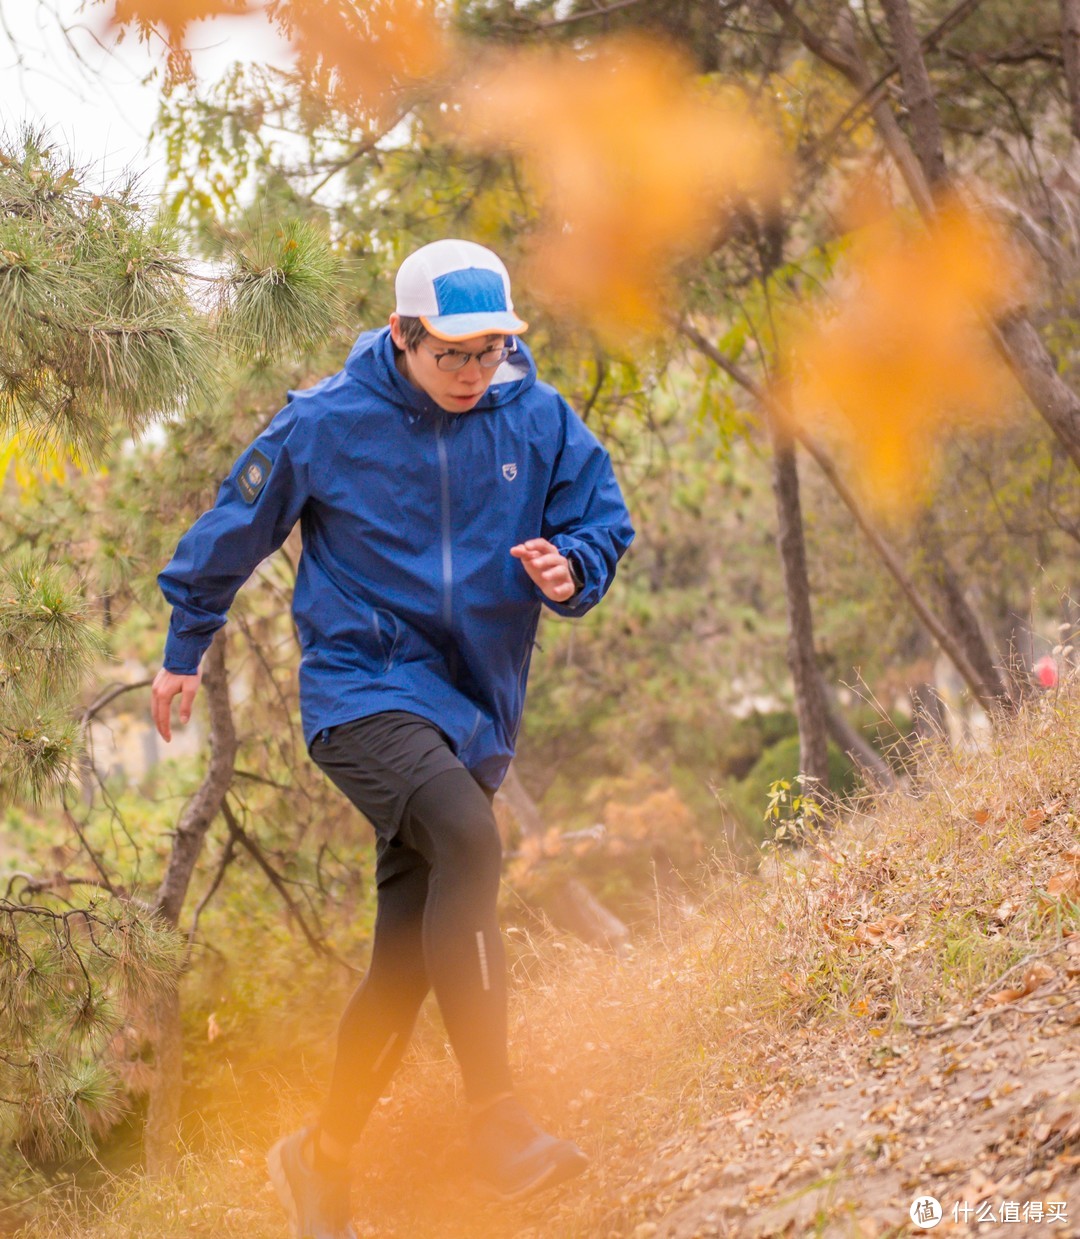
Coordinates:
908	913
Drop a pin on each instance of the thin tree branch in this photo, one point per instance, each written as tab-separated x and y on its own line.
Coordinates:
227	855
237	832
602	10
111	695
95	860
601	375
1070	48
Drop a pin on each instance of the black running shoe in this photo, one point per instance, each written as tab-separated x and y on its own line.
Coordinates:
317	1204
513	1157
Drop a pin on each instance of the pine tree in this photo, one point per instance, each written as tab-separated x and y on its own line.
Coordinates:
100	336
107	325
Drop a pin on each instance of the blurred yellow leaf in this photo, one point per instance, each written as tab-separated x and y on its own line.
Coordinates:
33	464
637	167
903	355
173	16
362	55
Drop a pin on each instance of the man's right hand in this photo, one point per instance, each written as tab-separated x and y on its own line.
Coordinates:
166	685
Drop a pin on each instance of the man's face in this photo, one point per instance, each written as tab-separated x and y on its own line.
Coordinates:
456	391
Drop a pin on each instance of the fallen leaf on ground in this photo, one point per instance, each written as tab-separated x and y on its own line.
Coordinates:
1035	976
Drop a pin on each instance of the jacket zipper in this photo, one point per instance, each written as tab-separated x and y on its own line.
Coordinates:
447	550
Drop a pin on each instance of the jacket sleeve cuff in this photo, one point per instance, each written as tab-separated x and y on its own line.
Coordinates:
184	653
585	577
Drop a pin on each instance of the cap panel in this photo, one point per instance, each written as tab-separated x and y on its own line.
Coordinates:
470	291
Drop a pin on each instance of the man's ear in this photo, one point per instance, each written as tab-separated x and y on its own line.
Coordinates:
395	331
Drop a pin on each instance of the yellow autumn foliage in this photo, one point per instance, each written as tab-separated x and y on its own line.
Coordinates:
32	465
636	165
901	353
173	16
363	58
361	55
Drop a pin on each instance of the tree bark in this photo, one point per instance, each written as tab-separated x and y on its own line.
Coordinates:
161	1148
1031	361
205	805
1070	50
522	804
576	908
928	713
809	702
1037	371
918	92
160	1138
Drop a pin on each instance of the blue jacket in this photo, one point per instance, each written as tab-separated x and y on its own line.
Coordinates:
407	597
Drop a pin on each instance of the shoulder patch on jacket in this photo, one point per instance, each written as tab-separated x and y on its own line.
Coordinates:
252	477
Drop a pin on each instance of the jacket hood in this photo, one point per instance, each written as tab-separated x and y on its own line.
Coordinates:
371	363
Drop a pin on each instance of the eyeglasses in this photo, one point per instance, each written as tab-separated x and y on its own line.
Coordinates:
455	359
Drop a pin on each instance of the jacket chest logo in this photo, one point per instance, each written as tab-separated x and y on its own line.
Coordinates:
509	471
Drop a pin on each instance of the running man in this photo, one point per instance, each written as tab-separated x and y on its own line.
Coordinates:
444	495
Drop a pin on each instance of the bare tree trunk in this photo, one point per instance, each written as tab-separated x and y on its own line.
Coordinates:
1070	50
801	656
522	804
918	92
163	1113
574	906
809	702
161	1149
928	713
205	805
1037	370
1035	367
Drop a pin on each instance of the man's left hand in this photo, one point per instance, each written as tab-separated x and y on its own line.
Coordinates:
547	567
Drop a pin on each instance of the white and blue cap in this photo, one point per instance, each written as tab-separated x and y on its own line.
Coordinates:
457	289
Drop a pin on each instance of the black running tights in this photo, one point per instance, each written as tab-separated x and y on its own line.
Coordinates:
436	927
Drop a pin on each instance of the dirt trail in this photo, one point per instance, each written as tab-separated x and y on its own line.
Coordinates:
985	1117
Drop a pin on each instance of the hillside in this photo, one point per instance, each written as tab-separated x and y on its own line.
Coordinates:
889	1013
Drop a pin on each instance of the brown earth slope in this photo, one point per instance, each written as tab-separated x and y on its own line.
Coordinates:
983	1115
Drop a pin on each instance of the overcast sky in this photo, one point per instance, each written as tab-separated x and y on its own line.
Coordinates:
94	99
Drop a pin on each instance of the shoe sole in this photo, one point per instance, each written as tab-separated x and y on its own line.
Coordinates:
551	1176
280	1182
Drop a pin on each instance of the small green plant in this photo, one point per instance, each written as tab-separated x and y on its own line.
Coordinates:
793	814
